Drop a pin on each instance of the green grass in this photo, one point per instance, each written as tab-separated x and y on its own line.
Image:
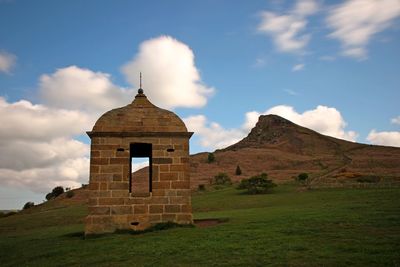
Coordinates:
330	227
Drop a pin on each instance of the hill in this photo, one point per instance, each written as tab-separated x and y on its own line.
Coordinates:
284	149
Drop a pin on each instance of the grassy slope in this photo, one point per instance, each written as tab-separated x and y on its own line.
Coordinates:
313	228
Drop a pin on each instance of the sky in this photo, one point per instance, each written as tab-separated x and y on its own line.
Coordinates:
332	66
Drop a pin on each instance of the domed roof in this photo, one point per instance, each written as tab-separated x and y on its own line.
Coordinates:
141	116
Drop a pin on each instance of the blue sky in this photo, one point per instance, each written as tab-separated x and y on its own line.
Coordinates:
332	66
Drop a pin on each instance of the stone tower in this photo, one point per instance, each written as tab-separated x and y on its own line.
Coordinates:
122	199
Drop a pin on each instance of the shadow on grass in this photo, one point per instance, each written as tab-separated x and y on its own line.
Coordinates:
155	228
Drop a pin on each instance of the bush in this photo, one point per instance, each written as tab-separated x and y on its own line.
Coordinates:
70	194
28	205
368	179
222	179
302	177
202	187
259	184
58	190
6	214
210	158
238	170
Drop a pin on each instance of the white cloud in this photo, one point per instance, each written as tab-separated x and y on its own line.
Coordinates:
290	92
298	67
69	173
76	88
7	61
211	134
259	62
38	151
355	22
170	77
287	30
395	120
384	138
327	58
24	121
325	120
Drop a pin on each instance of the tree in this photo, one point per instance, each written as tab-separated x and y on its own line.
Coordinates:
58	190
210	158
238	170
259	184
304	179
28	205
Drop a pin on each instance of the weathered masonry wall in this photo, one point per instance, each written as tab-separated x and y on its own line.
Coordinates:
112	206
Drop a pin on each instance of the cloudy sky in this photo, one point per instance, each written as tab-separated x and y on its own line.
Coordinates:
332	66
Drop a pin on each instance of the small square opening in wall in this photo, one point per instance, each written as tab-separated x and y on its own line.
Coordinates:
140	182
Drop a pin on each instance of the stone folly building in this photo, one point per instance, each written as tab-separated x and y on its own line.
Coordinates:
122	199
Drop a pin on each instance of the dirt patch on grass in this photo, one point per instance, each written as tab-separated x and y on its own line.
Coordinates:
203	223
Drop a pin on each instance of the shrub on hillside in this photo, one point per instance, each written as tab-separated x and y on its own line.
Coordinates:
304	179
58	190
368	179
222	179
202	187
238	170
210	158
70	194
28	205
259	184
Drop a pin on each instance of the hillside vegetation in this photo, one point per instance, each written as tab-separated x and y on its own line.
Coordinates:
284	149
329	227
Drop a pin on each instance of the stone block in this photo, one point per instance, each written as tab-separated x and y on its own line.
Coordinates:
168	176
111	201
156	208
184	192
93	201
107	153
164	168
119	186
155	218
172	208
120	210
162	160
119	193
159	200
177	167
186	208
178	200
103	186
162	185
119	161
180	184
99	210
99	161
168	217
94	186
111	169
136	200
140	209
94	169
95	154
98	177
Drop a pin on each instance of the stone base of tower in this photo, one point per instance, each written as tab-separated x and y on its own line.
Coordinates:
151	211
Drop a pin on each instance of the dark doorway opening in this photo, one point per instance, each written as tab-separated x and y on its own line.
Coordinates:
140	180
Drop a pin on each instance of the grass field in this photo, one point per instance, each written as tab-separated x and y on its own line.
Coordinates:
330	227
